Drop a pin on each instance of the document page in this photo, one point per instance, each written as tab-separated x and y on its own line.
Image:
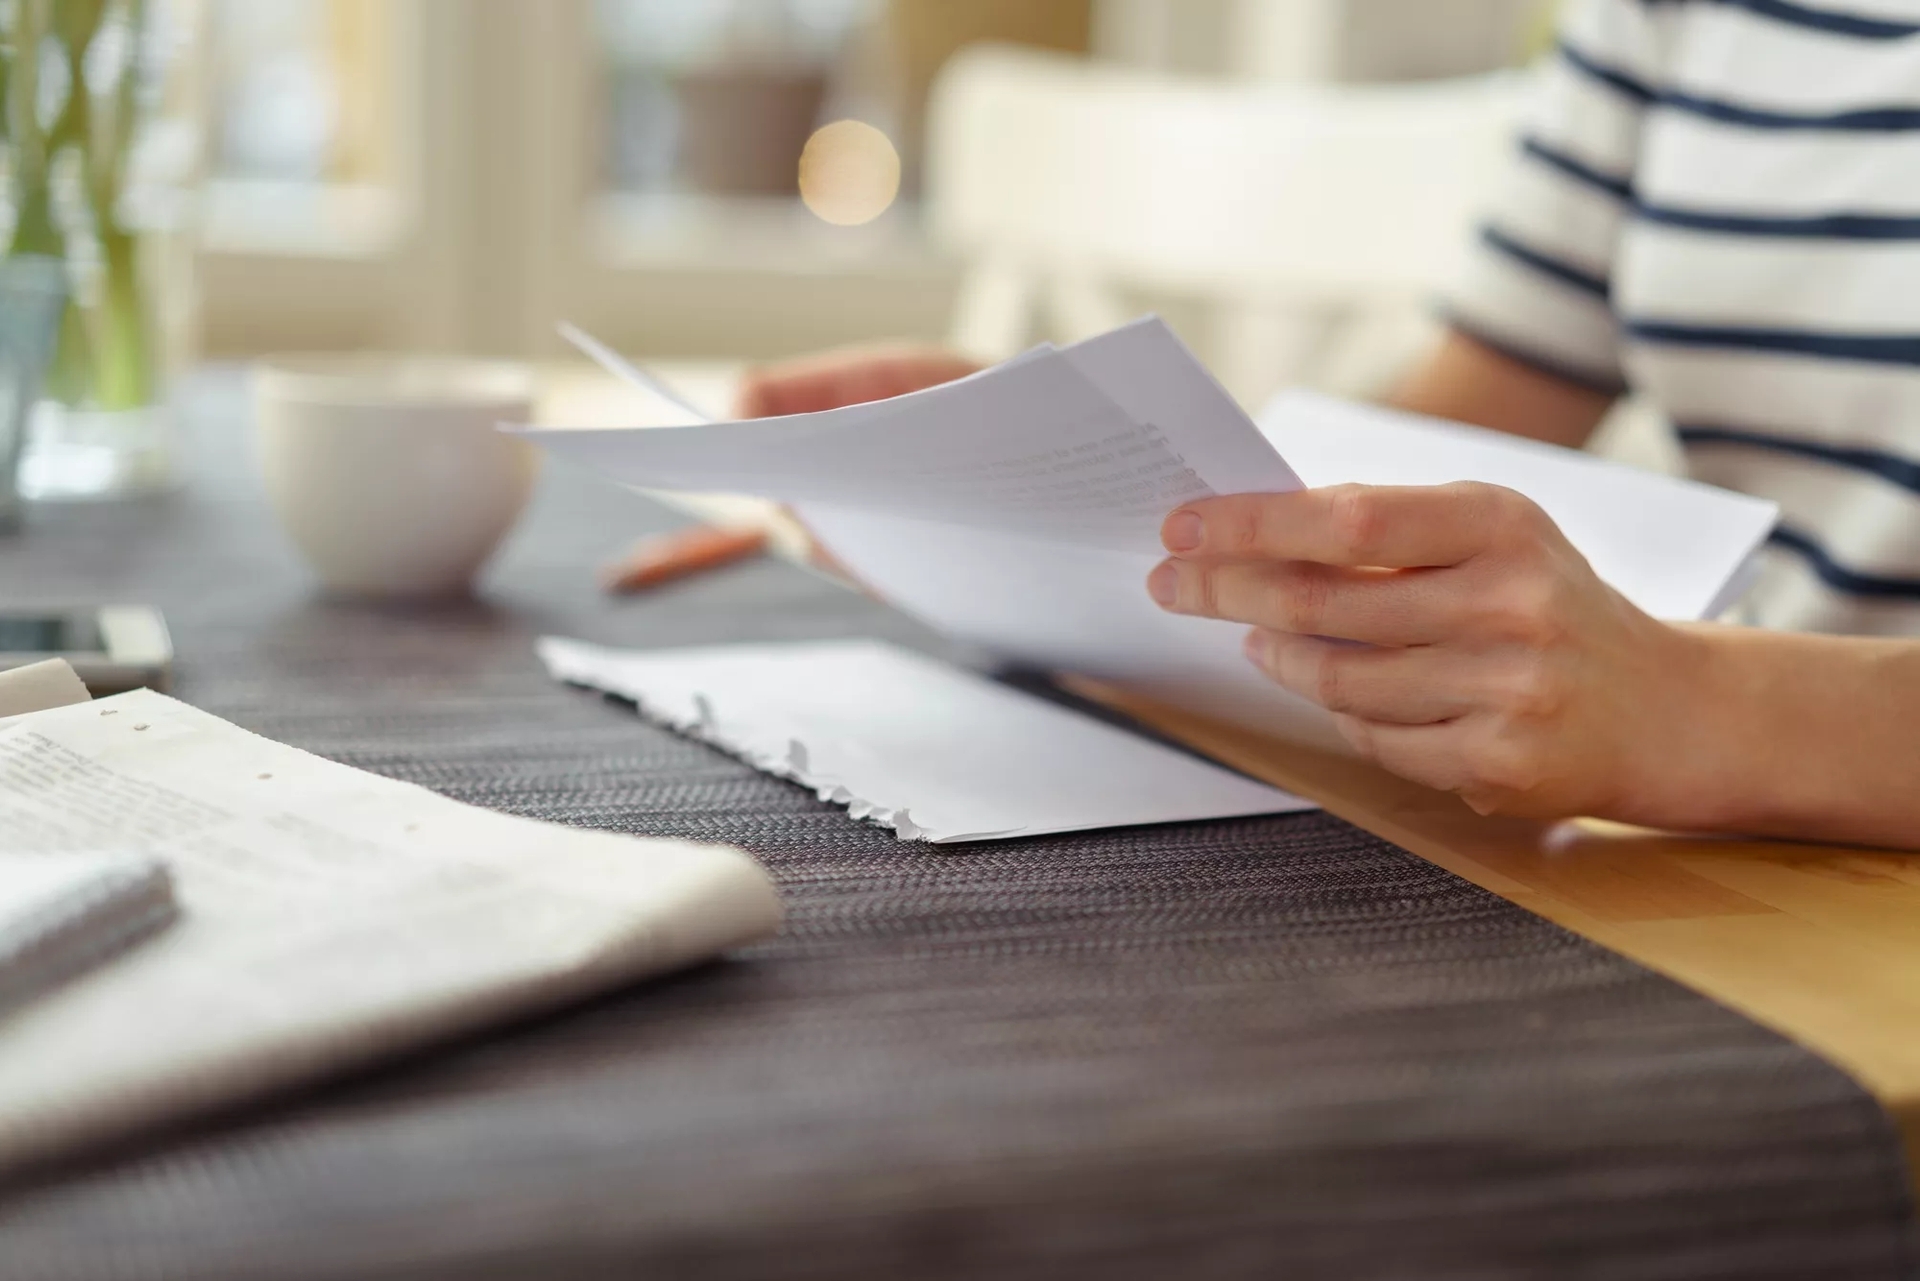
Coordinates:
327	916
1673	547
1019	509
1035	446
934	752
1065	608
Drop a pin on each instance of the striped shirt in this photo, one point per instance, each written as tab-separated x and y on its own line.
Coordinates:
1716	204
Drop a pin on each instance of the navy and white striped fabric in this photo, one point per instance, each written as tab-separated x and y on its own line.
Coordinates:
1717	204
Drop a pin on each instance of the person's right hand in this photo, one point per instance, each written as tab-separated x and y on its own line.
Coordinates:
846	376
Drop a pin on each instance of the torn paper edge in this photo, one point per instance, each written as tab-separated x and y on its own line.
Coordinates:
793	764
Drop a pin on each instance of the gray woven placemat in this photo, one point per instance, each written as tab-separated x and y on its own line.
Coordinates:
1270	1047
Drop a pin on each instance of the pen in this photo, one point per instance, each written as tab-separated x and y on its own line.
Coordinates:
663	557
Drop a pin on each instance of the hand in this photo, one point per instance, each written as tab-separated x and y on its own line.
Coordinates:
847	376
1495	663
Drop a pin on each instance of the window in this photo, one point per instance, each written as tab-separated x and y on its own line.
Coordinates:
720	98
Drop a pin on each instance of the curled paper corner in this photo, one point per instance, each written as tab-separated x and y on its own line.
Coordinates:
797	757
961	838
40	687
703	718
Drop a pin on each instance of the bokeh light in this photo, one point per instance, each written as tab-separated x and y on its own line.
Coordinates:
849	173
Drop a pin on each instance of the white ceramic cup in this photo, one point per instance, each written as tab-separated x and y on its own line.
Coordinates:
389	472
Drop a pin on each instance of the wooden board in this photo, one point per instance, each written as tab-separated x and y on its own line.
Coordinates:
1821	943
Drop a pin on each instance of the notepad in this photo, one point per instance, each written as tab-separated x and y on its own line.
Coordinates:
929	750
61	915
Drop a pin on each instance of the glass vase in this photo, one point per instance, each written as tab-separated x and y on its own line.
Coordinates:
81	88
33	291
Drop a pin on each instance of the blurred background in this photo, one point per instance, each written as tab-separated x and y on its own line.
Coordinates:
1285	180
458	174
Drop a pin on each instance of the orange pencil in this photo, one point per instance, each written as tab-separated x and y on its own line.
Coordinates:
656	560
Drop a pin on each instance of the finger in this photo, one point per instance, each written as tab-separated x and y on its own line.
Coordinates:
780	390
1400	686
1468	756
1433	755
1380	607
1389	526
846	376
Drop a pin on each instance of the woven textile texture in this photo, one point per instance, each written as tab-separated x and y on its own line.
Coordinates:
1261	1048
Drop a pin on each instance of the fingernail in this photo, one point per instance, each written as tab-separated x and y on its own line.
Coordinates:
1256	646
1162	584
1183	532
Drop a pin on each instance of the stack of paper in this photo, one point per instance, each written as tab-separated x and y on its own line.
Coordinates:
328	916
1020	509
1091	445
933	752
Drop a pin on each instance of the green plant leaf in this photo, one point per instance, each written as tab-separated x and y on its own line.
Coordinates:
71	373
76	23
123	372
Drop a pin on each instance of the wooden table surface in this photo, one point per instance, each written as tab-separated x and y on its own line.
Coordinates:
1820	943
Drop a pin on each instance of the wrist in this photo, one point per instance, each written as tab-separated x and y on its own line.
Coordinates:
1688	757
1773	734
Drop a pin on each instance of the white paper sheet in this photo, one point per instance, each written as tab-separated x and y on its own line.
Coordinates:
1033	578
684	411
1673	547
1068	609
328	916
934	752
1033	446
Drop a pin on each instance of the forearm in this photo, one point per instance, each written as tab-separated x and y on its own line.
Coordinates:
1793	735
1468	382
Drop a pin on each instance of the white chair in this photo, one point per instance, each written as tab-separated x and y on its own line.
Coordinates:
1319	220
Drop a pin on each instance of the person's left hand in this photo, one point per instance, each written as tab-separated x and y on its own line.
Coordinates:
1495	663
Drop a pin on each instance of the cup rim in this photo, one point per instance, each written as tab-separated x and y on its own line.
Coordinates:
378	379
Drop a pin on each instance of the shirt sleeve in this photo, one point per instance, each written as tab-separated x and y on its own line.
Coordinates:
1539	282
